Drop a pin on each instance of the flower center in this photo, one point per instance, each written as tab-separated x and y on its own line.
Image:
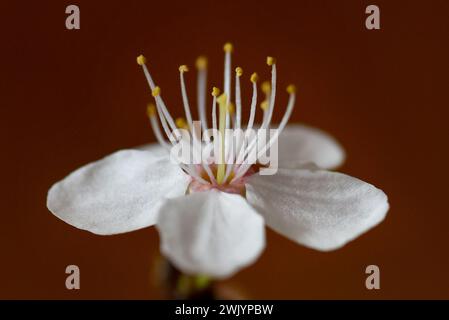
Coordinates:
228	171
237	186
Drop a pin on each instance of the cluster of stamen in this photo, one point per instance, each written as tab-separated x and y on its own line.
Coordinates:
225	173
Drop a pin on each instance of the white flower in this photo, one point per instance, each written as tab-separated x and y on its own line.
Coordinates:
211	218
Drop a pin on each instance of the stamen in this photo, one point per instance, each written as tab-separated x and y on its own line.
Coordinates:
185	100
291	89
141	60
231	108
229	168
238	99
164	123
156	93
183	68
239	71
224	158
190	169
229	155
254	78
236	121
151	112
228	48
269	113
181	123
189	123
266	87
271	62
231	112
164	115
201	65
264	105
215	94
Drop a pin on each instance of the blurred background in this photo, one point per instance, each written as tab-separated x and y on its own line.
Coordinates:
73	96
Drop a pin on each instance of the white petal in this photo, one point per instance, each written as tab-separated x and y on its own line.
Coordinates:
119	193
212	233
319	209
155	148
300	144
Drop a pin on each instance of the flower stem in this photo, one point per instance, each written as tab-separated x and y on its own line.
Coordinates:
177	285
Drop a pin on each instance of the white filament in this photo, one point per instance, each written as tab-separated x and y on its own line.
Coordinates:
201	94
157	132
163	121
190	169
214	114
267	114
227	84
241	147
238	102
165	117
196	141
167	114
253	108
158	98
291	102
185	100
148	77
272	97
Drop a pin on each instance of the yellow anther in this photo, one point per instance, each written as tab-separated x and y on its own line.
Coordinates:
201	63
239	71
291	89
183	68
264	105
254	77
151	110
181	123
231	108
215	91
266	87
222	99
271	61
228	47
141	60
156	91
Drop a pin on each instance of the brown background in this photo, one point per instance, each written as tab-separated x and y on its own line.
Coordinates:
70	97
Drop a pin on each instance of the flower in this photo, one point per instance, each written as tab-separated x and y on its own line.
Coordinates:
211	216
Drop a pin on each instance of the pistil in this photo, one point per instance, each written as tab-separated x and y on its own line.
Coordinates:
223	109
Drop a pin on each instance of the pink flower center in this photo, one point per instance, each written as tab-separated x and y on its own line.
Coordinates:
236	187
